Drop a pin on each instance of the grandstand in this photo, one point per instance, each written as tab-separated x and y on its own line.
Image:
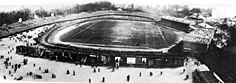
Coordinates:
178	25
104	40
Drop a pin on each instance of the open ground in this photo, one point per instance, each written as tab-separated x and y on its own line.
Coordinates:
121	33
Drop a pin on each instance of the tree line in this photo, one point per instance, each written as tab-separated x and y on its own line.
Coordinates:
183	10
26	13
11	17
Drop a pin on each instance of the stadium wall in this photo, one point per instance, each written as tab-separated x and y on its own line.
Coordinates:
174	24
105	58
194	47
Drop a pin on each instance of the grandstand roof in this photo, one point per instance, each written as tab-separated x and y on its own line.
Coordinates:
206	25
197	16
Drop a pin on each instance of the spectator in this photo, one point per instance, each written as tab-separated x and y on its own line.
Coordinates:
117	63
53	76
19	65
103	79
81	63
98	69
89	80
186	77
94	70
20	78
15	70
151	73
113	69
68	72
4	77
30	73
46	71
74	72
128	78
183	71
9	72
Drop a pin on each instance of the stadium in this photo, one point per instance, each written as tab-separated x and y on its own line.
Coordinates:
133	40
114	39
117	43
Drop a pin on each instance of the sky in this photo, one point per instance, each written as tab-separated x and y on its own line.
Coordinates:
149	2
222	5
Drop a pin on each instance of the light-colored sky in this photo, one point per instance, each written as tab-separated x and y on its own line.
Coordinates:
149	2
8	5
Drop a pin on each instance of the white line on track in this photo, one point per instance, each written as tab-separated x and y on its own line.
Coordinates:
89	38
162	35
86	28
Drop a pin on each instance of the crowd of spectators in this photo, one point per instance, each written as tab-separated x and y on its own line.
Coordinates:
196	39
200	35
182	20
203	33
13	67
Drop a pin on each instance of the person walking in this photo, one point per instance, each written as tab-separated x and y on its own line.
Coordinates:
103	79
4	77
183	71
151	74
89	80
53	76
98	69
117	63
186	77
68	72
128	78
94	70
9	72
113	69
74	73
39	68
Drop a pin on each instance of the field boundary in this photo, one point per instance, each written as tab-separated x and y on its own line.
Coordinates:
46	40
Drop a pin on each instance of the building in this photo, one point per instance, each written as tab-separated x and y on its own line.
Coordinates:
178	25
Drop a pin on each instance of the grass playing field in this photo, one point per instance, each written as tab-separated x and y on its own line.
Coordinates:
121	33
